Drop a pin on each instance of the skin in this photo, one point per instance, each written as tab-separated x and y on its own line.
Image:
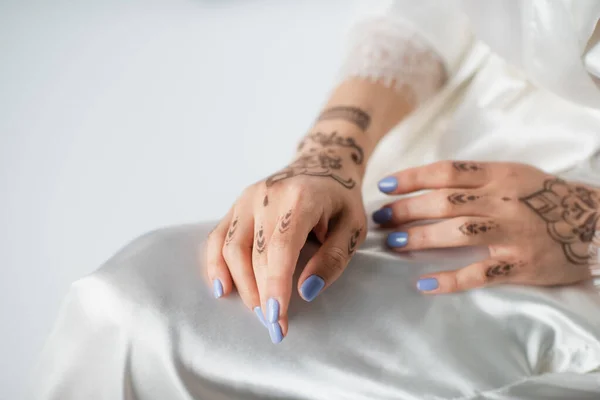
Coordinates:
530	219
258	254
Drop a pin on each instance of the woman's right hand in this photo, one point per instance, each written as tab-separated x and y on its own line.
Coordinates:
257	244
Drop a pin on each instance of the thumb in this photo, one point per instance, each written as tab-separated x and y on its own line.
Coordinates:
332	258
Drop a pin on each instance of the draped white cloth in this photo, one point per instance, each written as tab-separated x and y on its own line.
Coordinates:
519	86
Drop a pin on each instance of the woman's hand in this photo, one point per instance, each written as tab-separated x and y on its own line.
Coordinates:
539	229
256	246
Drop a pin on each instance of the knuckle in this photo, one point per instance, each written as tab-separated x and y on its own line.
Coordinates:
232	251
446	171
279	242
334	259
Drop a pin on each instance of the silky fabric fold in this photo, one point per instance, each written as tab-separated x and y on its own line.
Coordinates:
146	326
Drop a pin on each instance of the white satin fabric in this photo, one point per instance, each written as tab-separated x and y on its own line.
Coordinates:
145	326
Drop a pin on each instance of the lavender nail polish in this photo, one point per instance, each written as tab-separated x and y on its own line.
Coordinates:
217	288
311	287
260	316
397	239
275	333
388	185
383	215
427	284
272	310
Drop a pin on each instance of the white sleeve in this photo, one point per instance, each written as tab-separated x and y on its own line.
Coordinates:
407	44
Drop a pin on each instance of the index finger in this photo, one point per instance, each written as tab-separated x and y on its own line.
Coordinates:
439	175
283	251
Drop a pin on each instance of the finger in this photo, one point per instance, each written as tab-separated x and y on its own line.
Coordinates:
442	174
284	249
476	275
455	232
438	204
237	252
218	273
332	258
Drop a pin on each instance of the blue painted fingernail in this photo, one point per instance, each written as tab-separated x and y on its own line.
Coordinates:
383	215
388	185
311	287
217	288
397	239
275	333
260	316
427	284
272	310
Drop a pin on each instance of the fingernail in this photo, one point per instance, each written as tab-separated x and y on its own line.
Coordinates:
397	239
388	185
260	316
427	284
272	310
275	333
311	287
217	288
383	215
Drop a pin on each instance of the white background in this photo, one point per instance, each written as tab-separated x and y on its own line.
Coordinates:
117	117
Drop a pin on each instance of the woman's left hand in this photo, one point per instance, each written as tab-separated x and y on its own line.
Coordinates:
539	229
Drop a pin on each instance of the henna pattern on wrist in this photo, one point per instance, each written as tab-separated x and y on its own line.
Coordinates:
285	222
462	198
353	115
231	231
261	242
353	242
502	268
476	228
467	166
571	214
321	157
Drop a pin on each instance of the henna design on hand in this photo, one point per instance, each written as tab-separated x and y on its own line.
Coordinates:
261	242
266	201
353	115
285	223
502	268
462	198
231	231
467	166
506	199
571	214
475	228
321	159
353	242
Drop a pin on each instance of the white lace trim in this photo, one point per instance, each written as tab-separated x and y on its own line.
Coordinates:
594	260
383	49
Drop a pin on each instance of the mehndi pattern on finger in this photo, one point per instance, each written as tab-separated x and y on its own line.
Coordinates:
502	268
571	214
353	242
261	242
462	198
465	166
231	231
476	228
285	222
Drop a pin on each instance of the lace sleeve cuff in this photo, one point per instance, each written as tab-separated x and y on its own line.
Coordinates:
383	49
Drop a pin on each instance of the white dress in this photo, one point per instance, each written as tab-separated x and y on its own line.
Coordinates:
518	86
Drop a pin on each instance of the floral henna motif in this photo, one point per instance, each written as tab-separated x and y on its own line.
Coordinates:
261	242
321	158
231	231
571	213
